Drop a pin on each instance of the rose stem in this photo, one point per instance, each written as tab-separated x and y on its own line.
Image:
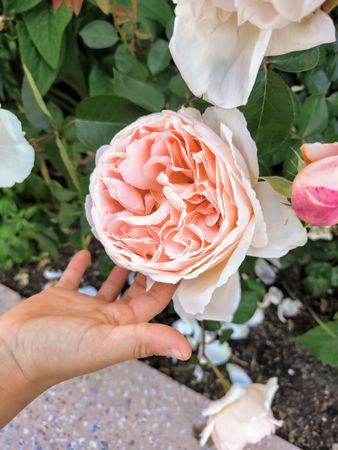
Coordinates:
225	383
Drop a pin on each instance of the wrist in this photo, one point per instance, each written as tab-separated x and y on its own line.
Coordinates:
16	390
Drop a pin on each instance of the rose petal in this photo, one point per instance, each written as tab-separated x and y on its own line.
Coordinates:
16	154
315	30
314	152
239	59
284	229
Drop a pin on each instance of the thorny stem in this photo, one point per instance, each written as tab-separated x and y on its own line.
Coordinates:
329	5
225	383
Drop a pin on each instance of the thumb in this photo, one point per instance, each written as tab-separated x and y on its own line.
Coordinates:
142	340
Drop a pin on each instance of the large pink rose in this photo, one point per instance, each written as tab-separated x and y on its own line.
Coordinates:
175	196
315	188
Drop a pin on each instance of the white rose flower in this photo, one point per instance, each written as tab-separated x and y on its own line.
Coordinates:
218	45
16	154
244	415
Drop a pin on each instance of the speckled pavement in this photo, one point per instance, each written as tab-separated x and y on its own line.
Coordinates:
126	407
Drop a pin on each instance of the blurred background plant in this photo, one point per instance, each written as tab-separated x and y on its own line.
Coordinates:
75	80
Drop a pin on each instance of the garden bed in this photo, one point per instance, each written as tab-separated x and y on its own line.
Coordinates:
307	400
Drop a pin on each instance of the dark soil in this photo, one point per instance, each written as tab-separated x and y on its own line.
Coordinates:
307	400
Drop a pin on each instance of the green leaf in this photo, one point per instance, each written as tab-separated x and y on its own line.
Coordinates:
333	103
67	162
20	6
95	134
68	214
101	117
32	109
47	245
60	193
314	115
127	63
178	87
42	73
252	292
280	185
334	276
138	92
158	56
100	83
158	10
269	111
212	325
317	82
318	280
37	96
296	61
108	108
46	29
322	342
99	34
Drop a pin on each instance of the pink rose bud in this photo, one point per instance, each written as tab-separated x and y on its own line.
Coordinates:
315	188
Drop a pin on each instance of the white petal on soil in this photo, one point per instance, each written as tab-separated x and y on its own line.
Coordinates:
218	353
238	375
289	308
274	296
51	274
88	290
320	233
257	319
198	374
265	271
239	331
185	328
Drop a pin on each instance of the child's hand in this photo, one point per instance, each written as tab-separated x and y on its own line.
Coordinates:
59	333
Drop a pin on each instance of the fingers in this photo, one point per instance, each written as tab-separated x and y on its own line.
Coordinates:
114	283
140	341
148	304
137	288
74	271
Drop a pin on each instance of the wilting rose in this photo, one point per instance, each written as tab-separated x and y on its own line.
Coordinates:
16	154
219	45
75	5
175	196
242	417
315	188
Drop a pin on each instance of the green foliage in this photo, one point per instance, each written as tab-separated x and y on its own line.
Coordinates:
252	292
322	342
99	34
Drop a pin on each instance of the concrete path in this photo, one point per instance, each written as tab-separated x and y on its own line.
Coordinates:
127	407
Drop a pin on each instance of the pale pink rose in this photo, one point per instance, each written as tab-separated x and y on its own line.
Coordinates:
175	196
219	45
242	417
315	188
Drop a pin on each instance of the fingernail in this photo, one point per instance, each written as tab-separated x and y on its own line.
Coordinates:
174	353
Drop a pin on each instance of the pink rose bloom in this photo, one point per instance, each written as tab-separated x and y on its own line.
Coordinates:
315	188
176	197
243	416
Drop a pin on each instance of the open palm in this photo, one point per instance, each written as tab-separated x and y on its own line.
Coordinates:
60	333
